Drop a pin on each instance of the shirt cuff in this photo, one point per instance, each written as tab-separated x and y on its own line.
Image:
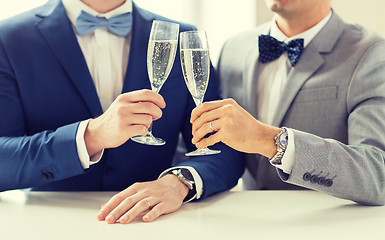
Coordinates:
197	180
85	160
288	158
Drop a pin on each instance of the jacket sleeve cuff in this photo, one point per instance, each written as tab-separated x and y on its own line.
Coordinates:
197	179
85	160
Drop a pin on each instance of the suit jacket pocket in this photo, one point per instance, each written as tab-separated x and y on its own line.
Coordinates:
317	94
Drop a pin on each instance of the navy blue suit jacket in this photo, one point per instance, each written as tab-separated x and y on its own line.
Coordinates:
46	90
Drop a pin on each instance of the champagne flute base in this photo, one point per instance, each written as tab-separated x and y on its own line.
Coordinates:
202	151
149	139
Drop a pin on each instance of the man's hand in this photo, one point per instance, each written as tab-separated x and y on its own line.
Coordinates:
233	126
131	114
158	197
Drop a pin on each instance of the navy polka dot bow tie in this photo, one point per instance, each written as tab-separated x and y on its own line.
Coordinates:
270	49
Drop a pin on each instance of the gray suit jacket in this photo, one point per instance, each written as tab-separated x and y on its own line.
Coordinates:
334	102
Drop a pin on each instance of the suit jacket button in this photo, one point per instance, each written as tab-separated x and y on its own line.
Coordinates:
47	176
329	183
314	179
306	176
321	181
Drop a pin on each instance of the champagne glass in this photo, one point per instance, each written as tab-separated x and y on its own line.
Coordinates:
161	53
195	60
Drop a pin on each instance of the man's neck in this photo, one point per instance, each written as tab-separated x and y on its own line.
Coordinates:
103	6
294	25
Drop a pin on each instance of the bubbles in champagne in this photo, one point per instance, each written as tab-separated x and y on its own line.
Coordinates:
160	58
196	71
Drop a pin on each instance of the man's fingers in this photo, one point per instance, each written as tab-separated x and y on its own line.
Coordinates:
127	110
205	129
139	119
121	209
209	141
155	212
147	108
158	197
143	95
209	106
138	130
205	107
112	204
207	117
201	133
140	207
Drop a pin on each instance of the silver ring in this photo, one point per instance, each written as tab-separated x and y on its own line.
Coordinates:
148	202
211	126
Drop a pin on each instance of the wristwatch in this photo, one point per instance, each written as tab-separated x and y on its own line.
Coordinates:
281	141
186	178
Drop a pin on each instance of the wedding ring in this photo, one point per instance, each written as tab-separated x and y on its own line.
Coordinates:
211	126
148	202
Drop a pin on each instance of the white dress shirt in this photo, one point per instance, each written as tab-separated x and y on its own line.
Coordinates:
107	57
272	82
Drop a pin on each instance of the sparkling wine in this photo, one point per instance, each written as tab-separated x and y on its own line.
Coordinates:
160	58
195	61
196	71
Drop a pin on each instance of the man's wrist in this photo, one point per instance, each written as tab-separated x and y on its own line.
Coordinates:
91	138
182	189
267	145
197	194
186	178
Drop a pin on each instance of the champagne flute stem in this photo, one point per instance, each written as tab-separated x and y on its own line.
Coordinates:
198	101
150	130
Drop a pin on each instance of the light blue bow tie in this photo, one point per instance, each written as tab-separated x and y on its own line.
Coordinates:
119	25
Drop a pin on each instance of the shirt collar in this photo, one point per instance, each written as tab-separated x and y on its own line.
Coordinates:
74	7
307	36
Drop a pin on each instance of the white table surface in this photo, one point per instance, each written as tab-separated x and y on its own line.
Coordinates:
232	215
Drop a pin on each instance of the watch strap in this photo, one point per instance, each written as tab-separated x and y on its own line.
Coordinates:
281	140
186	178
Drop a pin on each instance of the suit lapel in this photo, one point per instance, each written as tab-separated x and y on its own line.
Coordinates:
251	73
57	30
136	76
310	61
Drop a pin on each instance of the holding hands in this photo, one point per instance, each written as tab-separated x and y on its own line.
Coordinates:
233	126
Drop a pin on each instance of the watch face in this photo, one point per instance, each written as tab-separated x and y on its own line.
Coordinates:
283	139
187	174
